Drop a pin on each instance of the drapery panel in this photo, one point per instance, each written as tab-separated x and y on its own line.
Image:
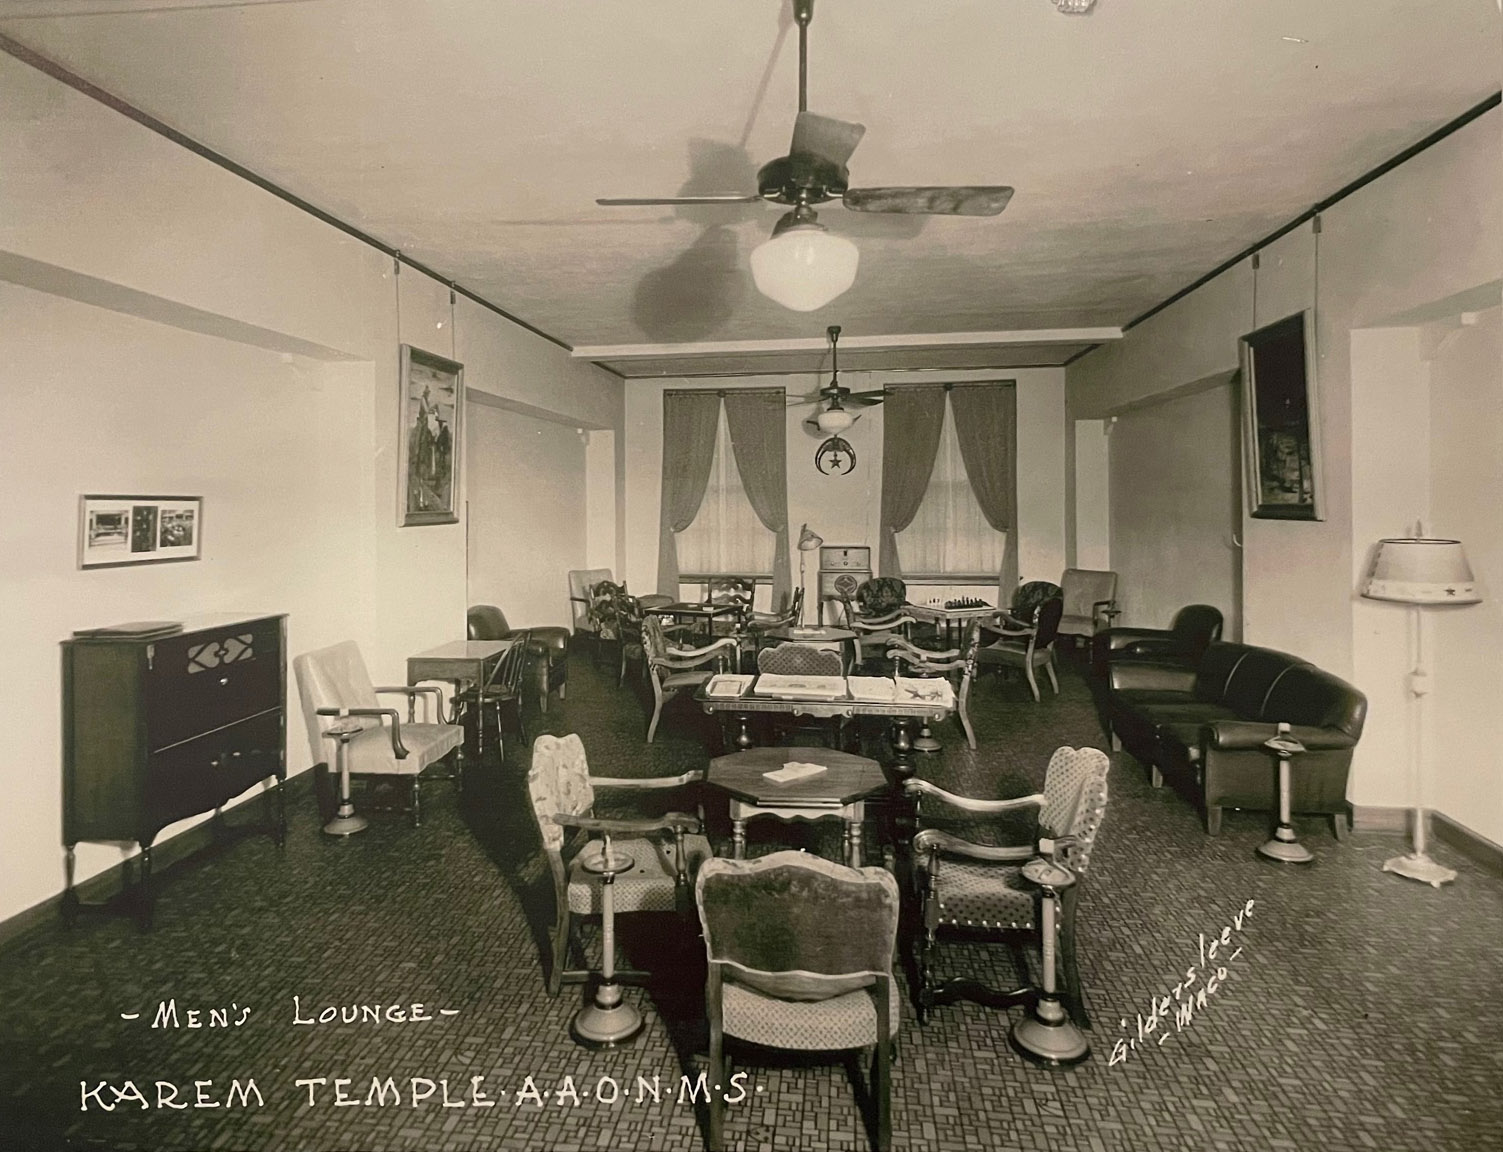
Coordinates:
911	423
689	424
759	439
986	426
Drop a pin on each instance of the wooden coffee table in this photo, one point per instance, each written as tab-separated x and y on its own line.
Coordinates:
839	792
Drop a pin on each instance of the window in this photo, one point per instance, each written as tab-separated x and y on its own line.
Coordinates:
725	538
950	535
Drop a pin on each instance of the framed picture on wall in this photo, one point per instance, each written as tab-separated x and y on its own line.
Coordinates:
119	530
431	435
1281	421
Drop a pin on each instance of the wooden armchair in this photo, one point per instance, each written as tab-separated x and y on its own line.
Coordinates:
876	614
671	670
974	882
1028	646
962	660
666	850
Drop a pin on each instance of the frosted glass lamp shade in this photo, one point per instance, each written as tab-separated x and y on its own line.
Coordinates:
808	541
804	267
833	421
1421	571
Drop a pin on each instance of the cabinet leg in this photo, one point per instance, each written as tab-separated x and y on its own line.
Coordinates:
145	908
70	896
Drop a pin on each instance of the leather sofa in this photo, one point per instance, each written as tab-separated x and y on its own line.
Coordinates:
1203	727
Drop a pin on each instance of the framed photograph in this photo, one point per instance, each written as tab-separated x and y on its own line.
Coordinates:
432	434
118	530
1281	417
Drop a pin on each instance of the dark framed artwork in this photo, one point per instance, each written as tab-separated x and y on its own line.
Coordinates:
432	434
1281	417
117	530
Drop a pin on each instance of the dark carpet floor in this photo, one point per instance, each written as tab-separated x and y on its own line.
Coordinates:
1363	1011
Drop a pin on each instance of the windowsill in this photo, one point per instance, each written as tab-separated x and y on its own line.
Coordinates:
958	578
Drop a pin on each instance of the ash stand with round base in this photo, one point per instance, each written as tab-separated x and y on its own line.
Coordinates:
346	821
1047	1035
1283	847
609	1020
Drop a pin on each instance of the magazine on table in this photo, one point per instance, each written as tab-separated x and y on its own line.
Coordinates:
801	687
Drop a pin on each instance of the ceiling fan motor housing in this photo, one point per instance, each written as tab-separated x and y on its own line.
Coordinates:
802	178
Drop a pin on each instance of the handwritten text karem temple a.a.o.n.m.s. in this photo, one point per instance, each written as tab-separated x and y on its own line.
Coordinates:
1192	994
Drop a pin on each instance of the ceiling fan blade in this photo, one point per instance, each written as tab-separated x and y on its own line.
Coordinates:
633	201
863	398
956	201
824	136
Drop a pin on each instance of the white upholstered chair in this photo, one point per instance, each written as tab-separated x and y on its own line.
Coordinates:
336	691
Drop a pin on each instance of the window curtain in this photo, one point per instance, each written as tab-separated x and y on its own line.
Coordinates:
950	535
986	426
911	423
690	420
759	438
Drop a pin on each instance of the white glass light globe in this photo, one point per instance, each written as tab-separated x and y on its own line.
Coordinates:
804	267
834	420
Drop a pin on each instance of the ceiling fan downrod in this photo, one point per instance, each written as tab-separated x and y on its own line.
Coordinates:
803	13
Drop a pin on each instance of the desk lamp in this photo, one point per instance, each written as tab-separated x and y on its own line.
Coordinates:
807	542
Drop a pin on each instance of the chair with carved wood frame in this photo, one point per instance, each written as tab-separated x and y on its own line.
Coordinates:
877	614
671	670
962	660
1022	645
973	882
665	849
801	954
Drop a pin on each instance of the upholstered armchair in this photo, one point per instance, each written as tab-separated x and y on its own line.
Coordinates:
875	613
340	704
801	955
1027	598
582	584
671	670
1090	601
968	857
665	849
547	647
1025	646
1194	629
956	664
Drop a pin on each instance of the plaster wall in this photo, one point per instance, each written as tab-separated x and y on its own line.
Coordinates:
1422	241
268	344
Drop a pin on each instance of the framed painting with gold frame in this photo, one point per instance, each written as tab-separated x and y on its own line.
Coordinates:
431	437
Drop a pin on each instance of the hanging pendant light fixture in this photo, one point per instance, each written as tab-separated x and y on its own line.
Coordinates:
803	266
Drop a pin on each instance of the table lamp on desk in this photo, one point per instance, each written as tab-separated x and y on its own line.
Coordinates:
807	542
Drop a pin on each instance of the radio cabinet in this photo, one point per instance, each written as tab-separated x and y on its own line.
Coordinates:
158	729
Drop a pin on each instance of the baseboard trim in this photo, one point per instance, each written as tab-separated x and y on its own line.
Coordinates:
1366	818
165	854
1473	845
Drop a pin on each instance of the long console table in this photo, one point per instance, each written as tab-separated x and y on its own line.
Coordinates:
164	723
900	714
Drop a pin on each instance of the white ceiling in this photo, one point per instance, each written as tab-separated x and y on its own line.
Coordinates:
1148	142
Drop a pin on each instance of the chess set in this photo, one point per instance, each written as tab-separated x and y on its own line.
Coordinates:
967	602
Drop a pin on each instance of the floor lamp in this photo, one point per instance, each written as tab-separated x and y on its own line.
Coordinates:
807	542
1419	571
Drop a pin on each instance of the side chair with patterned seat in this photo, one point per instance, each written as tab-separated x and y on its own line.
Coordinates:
801	955
956	664
665	849
1014	643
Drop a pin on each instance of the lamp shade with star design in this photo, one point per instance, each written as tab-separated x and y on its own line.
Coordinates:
1418	570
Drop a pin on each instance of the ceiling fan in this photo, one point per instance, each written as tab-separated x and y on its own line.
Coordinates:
803	267
835	417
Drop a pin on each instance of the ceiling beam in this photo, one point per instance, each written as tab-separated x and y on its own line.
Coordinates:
819	343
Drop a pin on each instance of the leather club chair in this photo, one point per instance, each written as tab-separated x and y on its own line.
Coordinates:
1194	629
549	647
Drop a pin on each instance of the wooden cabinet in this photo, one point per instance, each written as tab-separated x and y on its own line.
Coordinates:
158	728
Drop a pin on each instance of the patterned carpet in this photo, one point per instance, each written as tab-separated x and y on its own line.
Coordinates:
1361	1013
